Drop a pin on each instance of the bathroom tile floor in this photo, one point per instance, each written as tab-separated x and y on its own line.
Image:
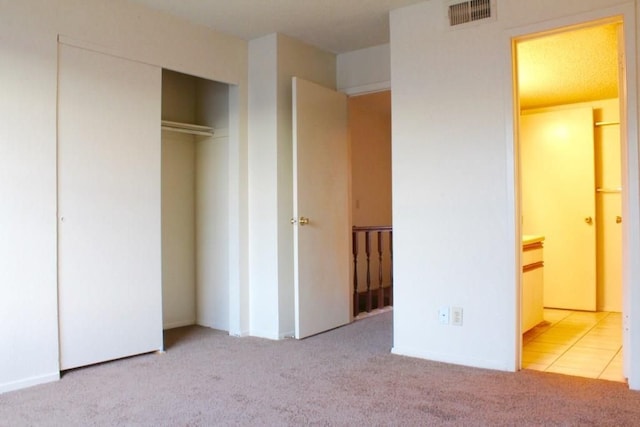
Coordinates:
579	343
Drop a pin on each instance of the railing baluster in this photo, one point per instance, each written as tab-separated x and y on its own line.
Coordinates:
367	246
381	290
391	267
356	296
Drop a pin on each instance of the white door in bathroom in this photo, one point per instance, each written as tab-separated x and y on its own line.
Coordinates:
558	201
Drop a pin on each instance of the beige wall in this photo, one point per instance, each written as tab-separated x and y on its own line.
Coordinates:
370	136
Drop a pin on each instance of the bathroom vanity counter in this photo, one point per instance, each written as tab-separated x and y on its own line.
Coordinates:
528	239
532	281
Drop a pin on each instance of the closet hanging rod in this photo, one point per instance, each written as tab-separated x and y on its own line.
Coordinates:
189	131
606	123
187	128
609	190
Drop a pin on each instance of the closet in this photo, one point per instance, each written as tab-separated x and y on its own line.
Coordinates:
142	212
194	201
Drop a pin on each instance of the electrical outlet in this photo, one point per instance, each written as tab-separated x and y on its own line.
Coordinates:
456	316
443	315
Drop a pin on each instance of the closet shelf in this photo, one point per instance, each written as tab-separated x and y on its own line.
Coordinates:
187	128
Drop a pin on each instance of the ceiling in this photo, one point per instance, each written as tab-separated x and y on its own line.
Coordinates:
334	25
570	67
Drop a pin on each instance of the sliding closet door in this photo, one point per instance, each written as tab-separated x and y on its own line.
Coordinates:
108	207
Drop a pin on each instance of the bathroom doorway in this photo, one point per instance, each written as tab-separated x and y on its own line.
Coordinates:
568	109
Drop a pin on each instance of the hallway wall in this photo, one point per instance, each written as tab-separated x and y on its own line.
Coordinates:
370	136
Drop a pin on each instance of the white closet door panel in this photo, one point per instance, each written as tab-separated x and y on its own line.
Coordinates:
109	207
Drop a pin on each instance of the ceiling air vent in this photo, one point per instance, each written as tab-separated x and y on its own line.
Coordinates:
469	11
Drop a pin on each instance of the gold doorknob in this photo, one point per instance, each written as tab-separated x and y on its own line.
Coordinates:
588	220
618	219
301	221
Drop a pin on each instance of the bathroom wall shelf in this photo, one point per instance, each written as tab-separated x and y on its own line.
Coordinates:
187	128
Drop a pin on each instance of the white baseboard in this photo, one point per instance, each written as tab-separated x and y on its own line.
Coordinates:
453	359
179	324
264	334
29	382
289	334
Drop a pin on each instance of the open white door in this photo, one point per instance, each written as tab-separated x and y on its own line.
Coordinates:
558	201
321	209
109	261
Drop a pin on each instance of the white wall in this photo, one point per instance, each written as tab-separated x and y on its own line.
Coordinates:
213	303
28	292
456	239
273	61
28	72
364	70
178	230
263	183
451	241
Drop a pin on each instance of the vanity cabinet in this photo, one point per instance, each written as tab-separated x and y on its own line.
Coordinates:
532	281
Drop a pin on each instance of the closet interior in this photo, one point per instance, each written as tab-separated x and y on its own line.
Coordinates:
195	115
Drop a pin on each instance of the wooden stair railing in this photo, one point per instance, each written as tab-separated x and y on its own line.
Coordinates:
379	292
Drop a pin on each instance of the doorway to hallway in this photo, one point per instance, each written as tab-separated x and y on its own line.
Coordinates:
372	232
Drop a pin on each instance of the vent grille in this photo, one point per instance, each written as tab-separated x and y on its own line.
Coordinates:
469	11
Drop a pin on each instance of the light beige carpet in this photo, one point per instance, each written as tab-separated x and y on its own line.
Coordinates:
344	377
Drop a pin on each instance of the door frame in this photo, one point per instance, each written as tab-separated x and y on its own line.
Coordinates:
350	92
630	170
353	93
